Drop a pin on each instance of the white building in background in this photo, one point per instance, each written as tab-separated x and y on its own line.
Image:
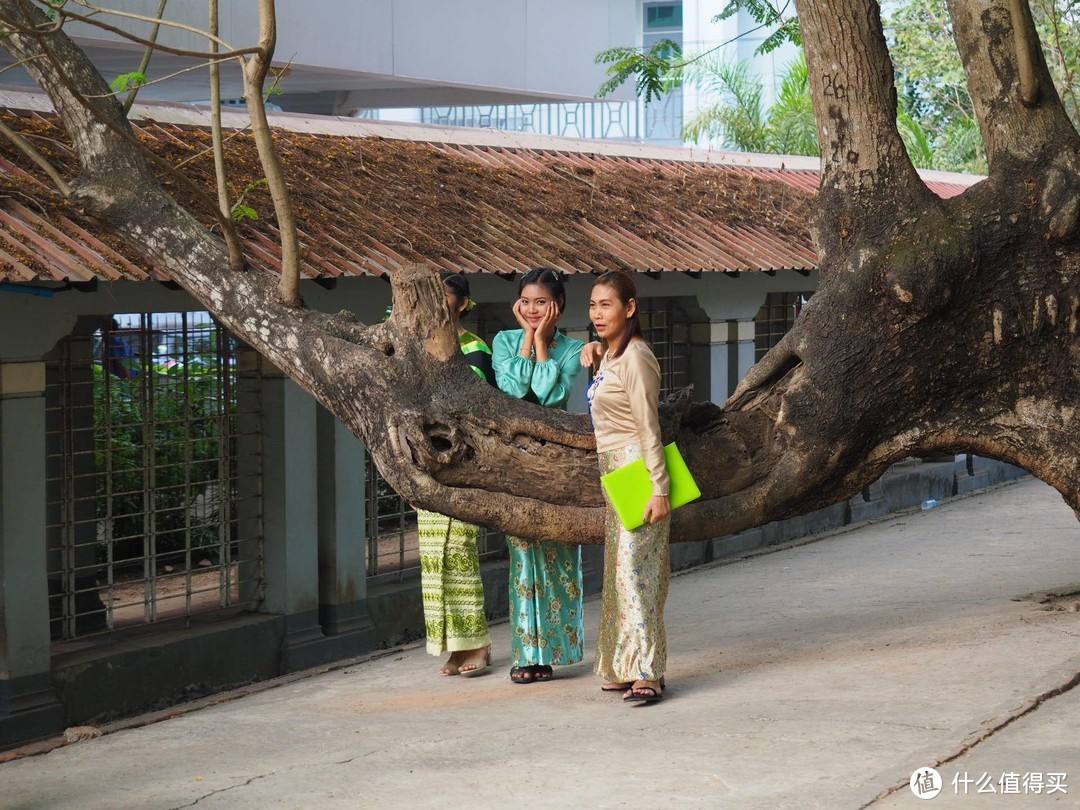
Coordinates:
337	58
690	23
518	65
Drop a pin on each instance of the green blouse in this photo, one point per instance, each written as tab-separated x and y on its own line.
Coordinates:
548	383
478	355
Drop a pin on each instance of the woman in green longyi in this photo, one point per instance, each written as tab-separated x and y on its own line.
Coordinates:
453	592
539	364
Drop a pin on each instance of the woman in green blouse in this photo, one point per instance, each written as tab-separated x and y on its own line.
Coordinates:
453	592
539	364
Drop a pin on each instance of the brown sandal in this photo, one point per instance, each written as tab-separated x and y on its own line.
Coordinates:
478	665
451	665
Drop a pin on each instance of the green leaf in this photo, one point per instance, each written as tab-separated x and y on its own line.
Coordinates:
915	139
650	69
128	81
241	212
767	14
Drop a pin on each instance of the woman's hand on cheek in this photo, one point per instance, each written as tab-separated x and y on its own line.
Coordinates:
524	324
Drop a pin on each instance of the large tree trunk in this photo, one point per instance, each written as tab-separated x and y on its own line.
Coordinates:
939	325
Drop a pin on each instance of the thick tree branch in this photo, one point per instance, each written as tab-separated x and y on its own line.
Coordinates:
81	96
997	55
948	326
1020	13
854	97
863	156
255	71
236	257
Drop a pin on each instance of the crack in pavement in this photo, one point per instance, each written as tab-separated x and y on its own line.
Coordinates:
350	760
257	777
1025	620
1023	711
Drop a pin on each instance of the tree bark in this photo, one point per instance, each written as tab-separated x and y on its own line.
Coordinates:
938	326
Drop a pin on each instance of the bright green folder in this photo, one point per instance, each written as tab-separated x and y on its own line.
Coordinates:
630	487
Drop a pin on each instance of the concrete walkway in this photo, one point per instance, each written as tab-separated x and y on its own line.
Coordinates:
817	676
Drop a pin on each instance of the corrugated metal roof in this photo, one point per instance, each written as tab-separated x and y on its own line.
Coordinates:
368	204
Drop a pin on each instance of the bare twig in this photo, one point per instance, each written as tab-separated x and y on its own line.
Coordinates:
1052	11
236	256
50	27
39	159
144	65
210	151
167	77
129	15
18	62
255	72
89	19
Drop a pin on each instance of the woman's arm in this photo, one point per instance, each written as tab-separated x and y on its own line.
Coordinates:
553	380
513	373
640	375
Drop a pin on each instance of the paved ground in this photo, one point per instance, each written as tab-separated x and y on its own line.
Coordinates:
817	676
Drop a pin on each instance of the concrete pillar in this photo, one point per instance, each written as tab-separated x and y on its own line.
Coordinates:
28	705
249	467
741	334
342	565
721	354
290	526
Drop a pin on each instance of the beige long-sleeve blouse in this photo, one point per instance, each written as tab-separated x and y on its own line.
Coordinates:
624	398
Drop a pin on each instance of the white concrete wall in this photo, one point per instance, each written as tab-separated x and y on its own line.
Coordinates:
527	48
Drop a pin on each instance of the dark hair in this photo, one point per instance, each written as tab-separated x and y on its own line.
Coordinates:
458	284
547	278
626	290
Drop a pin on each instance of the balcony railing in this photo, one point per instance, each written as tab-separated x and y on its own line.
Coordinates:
658	122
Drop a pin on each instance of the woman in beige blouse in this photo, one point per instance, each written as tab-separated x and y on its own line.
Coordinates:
631	652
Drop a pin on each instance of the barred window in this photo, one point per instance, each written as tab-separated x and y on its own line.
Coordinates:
666	327
775	318
146	476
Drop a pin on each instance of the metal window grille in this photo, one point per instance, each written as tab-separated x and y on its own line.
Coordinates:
775	318
666	326
152	476
393	542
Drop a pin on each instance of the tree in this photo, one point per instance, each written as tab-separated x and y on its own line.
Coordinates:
931	78
739	120
939	325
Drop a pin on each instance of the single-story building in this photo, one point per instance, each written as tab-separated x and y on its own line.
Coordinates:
178	517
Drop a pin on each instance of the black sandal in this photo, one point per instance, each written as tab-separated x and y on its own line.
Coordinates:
543	672
651	693
523	674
